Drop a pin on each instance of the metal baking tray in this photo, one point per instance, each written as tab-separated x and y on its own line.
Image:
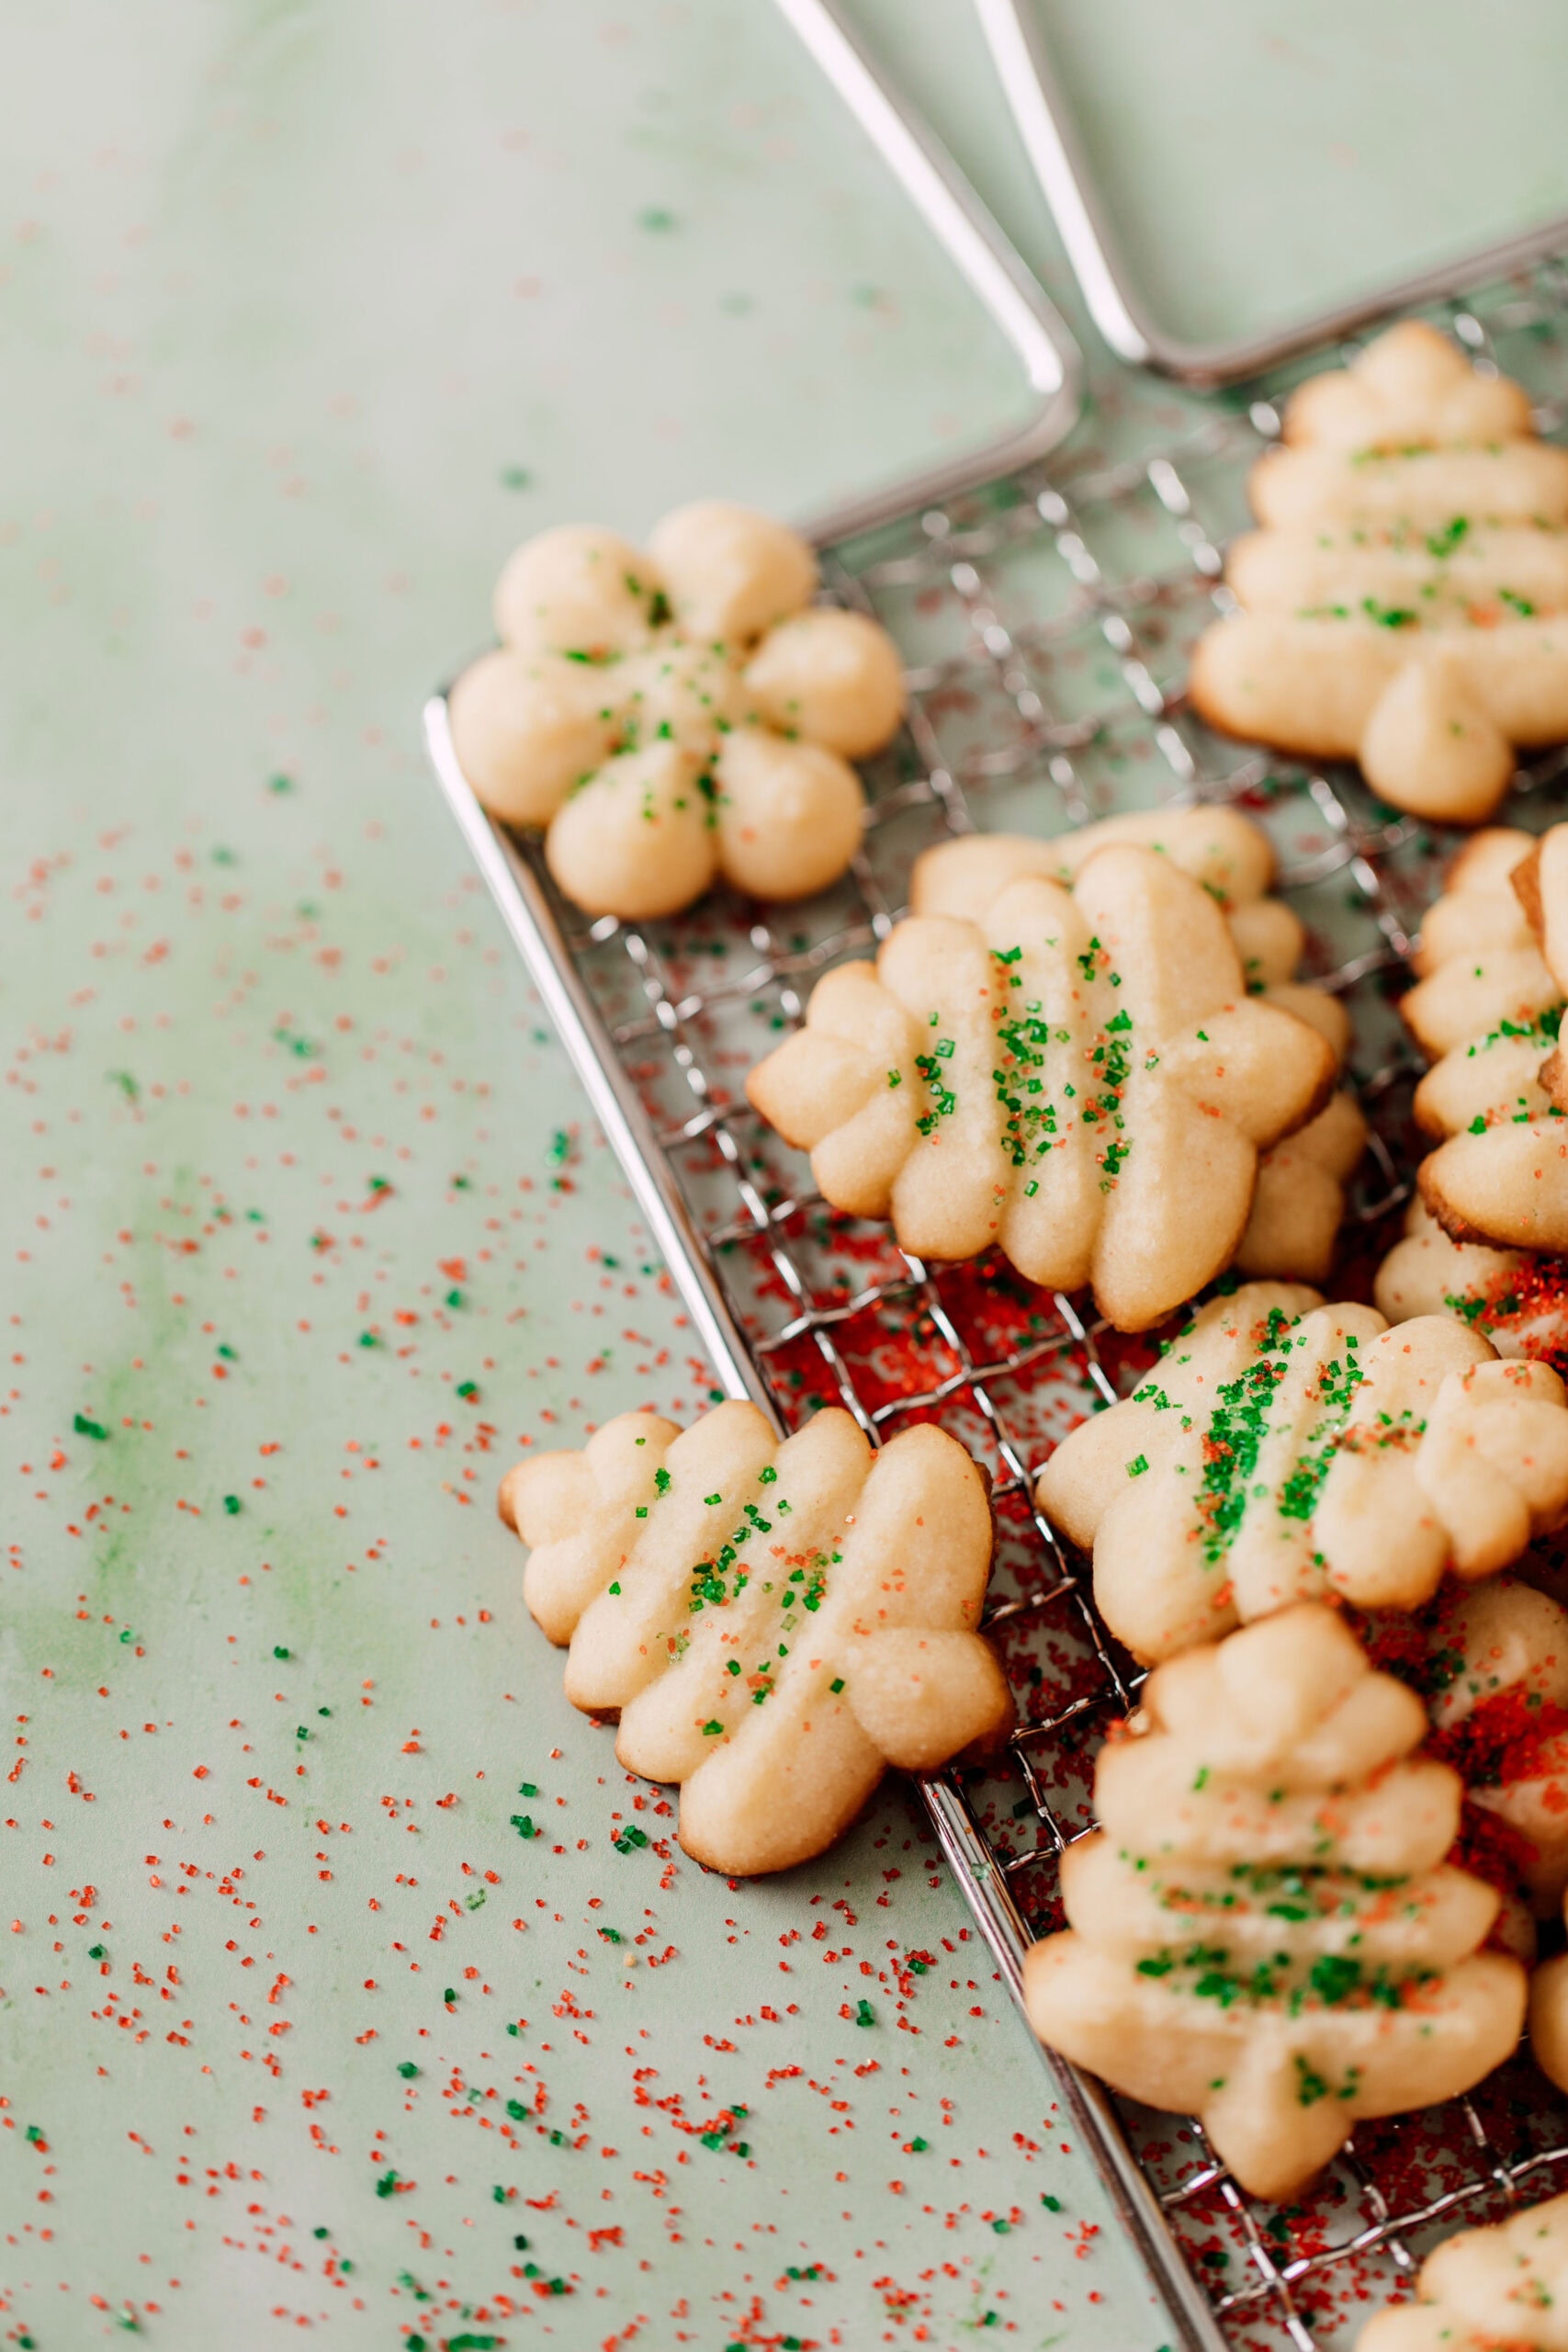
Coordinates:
1018	43
1045	597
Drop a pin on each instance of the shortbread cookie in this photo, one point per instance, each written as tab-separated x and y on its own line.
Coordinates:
1498	1703
1283	1450
1225	851
677	713
773	1623
1406	602
1487	1011
1548	2016
1299	1204
1263	1930
1502	2288
1515	1298
1081	1077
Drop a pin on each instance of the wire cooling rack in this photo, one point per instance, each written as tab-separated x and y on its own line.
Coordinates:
1046	623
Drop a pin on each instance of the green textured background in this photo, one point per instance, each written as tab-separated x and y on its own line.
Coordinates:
309	313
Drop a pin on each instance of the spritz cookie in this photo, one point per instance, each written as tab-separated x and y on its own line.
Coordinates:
1497	1697
672	714
1515	1298
1299	1203
773	1623
1283	1450
1486	1010
1405	601
1501	2288
1080	1075
1263	1930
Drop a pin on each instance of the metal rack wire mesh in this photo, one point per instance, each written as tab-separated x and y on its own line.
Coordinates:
1046	624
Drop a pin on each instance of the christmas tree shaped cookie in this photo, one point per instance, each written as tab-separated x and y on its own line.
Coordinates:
1264	1931
1406	602
1502	2288
1486	1010
672	714
773	1623
1283	1450
1081	1076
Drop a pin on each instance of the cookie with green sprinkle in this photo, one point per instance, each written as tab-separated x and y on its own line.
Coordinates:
1265	1931
1405	601
1080	1076
1501	2289
773	1623
1487	1011
1285	1451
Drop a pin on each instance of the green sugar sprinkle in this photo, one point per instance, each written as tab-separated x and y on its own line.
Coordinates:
85	1427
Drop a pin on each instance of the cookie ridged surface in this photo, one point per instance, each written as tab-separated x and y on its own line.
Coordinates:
1079	1073
1502	2288
676	713
1405	601
774	1623
1487	1012
1264	1931
1283	1450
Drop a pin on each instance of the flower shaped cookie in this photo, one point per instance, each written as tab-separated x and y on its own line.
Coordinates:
1486	1010
1502	2288
774	1625
1283	1450
1406	602
1299	1203
1079	1076
1264	1931
673	715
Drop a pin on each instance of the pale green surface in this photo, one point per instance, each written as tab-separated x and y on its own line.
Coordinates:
1244	151
268	364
